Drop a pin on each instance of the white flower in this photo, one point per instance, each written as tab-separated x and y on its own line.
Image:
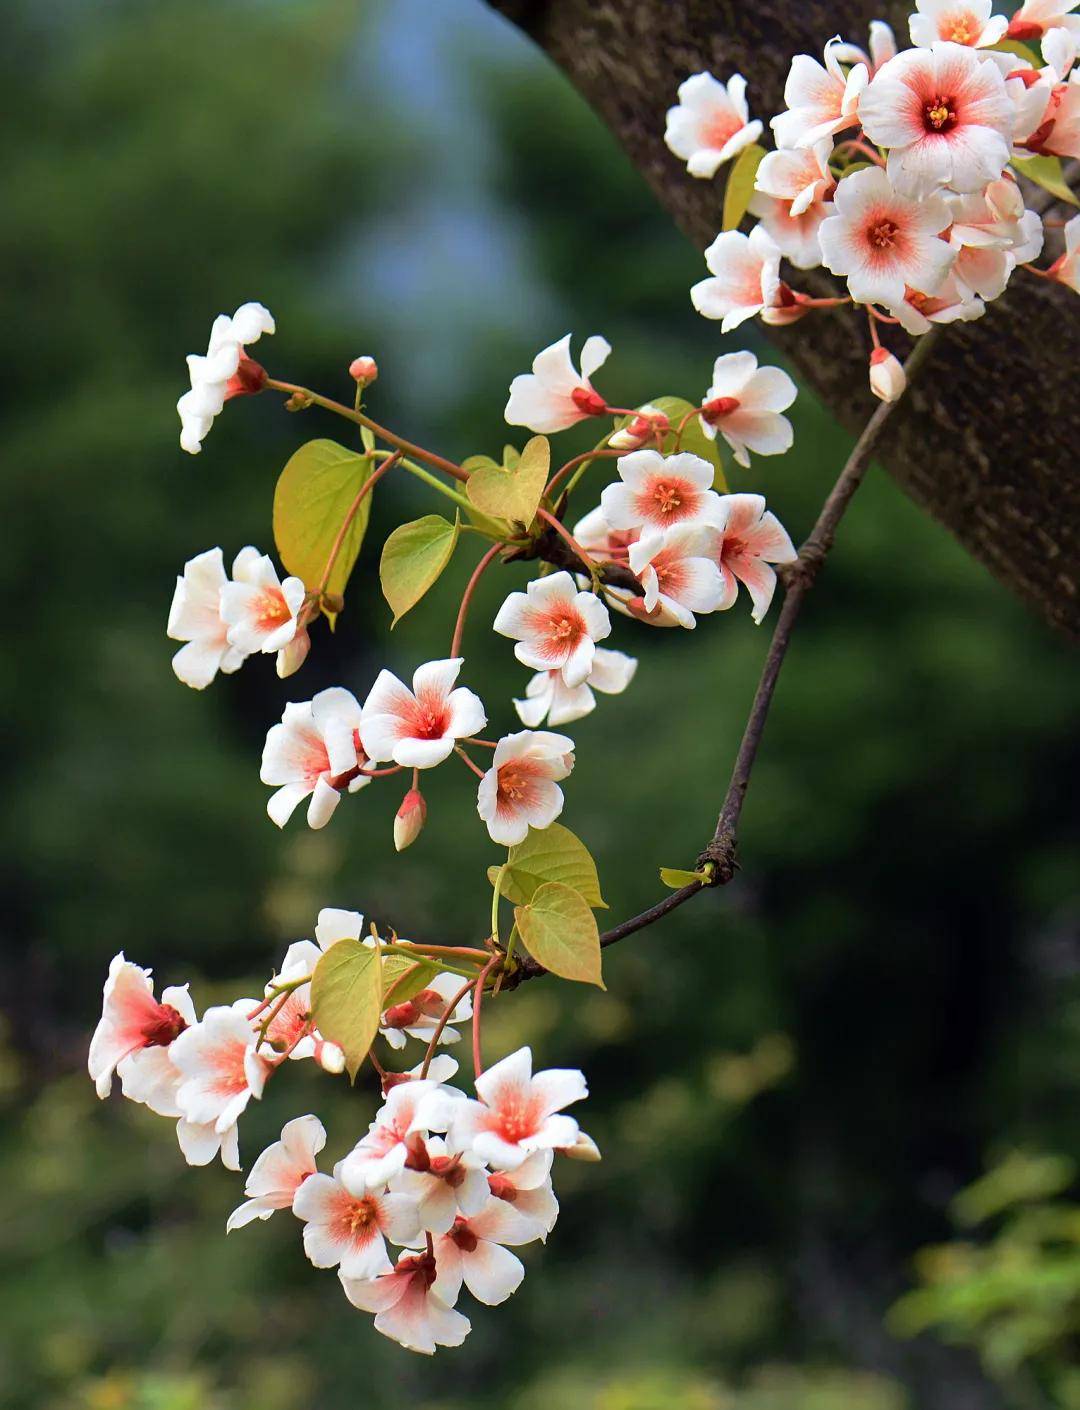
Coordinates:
555	395
200	1144
711	123
279	1172
660	492
419	1016
746	277
744	404
517	1113
959	21
528	1189
821	101
887	379
677	575
443	1184
752	540
262	613
882	241
799	177
397	1131
1066	268
882	48
548	697
556	627
224	372
351	1230
195	618
952	303
220	1066
418	728
945	116
1035	17
314	753
133	1021
407	1308
521	790
471	1251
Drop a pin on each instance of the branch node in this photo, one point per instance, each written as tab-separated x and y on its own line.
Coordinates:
720	859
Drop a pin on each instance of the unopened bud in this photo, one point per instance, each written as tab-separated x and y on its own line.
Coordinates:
584	1148
291	657
648	422
330	1057
409	819
299	401
364	370
887	380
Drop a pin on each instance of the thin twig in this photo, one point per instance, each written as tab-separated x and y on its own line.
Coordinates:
361	494
466	599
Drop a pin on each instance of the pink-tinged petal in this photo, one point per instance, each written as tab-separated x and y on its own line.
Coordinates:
500	1220
375	1294
282	804
436	677
449	1270
387	696
499	1154
510	1073
763	432
770	540
514	616
324	800
492	1273
379	735
760	582
557	1087
555	366
467	714
422	753
744	513
197	663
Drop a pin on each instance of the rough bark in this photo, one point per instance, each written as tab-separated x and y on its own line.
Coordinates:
988	444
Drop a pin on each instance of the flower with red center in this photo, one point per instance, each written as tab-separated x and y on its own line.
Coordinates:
945	116
745	277
600	540
418	728
350	1231
314	753
195	618
883	241
657	492
678	577
966	22
1057	124
521	789
710	124
220	1066
555	395
556	627
421	1015
744	404
261	613
528	1189
448	1184
752	540
821	101
952	303
132	1020
548	697
226	371
472	1252
517	1113
279	1172
1035	17
407	1308
411	1109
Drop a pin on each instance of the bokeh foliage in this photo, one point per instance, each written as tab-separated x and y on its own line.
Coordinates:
792	1079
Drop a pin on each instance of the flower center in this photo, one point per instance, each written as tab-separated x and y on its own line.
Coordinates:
719	407
940	114
668	497
463	1236
430	724
513	783
502	1187
271	610
588	401
960	29
564	629
166	1025
362	1216
883	234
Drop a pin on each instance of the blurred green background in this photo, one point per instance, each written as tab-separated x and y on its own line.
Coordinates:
793	1079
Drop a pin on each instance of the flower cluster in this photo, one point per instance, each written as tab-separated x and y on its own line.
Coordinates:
452	1181
895	170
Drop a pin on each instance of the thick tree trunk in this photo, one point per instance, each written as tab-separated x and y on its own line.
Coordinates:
988	444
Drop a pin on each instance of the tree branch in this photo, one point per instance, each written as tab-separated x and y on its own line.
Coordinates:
720	853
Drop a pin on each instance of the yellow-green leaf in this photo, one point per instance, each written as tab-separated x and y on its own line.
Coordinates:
404	978
560	931
1047	173
413	557
346	998
512	494
1014	46
314	495
676	878
550	854
740	185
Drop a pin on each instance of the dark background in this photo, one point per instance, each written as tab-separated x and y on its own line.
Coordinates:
791	1079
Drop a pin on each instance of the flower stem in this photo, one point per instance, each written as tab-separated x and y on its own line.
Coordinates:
466	598
354	508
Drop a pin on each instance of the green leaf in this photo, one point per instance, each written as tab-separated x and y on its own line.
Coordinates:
560	931
550	854
514	493
1014	46
404	978
676	878
413	557
346	999
740	185
694	438
1047	173
314	495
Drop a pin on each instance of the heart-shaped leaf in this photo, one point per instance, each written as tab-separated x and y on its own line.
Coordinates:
346	999
512	494
560	931
413	557
549	854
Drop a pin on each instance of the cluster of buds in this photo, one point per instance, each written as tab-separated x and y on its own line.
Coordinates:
452	1181
895	170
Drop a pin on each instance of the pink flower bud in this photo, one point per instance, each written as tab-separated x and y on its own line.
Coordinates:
409	819
363	370
887	380
290	658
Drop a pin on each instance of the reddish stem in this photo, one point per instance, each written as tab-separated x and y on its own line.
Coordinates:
465	758
478	996
565	534
450	1007
363	492
577	460
466	598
